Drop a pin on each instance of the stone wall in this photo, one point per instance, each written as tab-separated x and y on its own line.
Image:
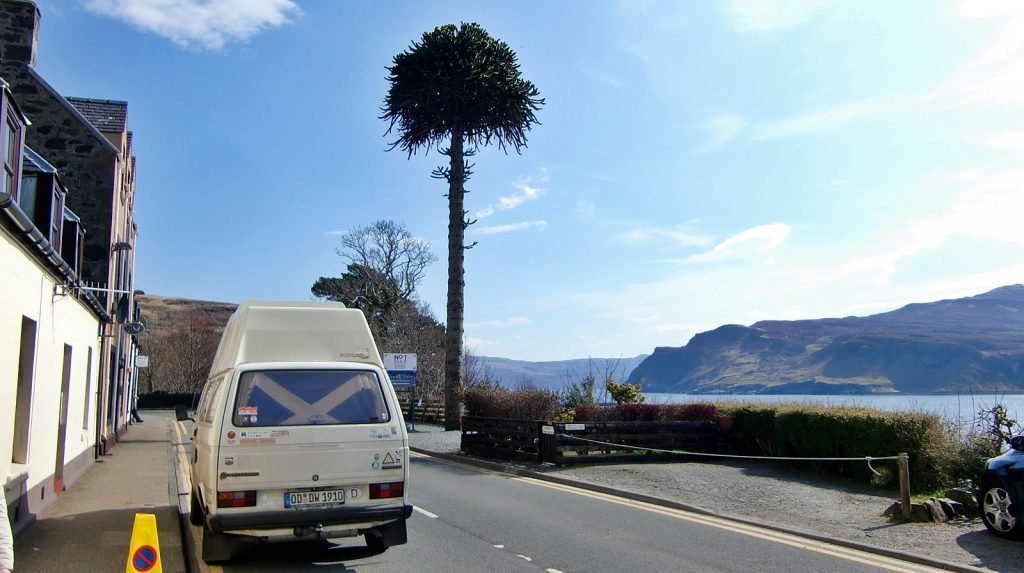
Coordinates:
84	158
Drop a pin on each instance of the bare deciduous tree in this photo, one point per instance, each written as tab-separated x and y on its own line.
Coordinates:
390	249
180	358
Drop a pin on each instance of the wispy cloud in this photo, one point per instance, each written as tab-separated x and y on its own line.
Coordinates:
603	77
679	236
203	24
586	208
829	118
527	192
514	321
510	228
754	242
723	129
747	16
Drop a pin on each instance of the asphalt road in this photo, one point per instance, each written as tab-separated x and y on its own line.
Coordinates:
470	520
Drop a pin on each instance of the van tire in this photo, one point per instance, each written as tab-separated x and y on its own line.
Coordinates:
195	512
217	547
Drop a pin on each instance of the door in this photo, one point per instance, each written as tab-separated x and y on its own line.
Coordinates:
62	423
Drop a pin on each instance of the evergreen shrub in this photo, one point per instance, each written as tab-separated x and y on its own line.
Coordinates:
800	430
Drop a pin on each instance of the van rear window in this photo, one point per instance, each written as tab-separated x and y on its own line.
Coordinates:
309	397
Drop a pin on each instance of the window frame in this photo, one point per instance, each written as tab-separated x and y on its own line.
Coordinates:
376	383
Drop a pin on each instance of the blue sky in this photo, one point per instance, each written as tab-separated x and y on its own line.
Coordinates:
698	163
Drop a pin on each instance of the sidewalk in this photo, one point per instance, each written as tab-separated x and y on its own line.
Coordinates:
89	527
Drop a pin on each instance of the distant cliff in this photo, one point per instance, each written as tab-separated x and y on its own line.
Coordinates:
968	344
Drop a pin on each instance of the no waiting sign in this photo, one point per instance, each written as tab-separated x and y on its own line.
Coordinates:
401	369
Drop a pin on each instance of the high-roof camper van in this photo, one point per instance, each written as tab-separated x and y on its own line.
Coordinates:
298	432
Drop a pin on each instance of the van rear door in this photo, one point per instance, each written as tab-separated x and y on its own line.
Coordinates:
293	429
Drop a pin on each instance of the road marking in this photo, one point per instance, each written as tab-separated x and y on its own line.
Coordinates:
424	512
555	571
524	557
883	562
499	546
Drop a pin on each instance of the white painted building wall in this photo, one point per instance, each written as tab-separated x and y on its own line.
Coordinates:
27	290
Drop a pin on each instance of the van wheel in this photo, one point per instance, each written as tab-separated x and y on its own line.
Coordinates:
375	541
217	547
195	512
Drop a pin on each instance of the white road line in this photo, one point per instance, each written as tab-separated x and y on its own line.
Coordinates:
499	546
524	557
555	571
424	512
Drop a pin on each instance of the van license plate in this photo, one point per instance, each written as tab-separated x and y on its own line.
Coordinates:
320	498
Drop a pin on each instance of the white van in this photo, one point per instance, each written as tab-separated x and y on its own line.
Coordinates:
298	433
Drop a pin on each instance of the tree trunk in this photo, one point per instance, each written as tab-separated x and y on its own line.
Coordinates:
456	285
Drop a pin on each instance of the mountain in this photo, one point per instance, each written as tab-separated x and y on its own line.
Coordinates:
959	345
553	375
164	315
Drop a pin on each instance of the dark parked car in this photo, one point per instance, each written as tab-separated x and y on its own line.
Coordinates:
1001	497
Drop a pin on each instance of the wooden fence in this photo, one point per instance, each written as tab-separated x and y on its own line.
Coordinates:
427	411
612	442
587	442
501	438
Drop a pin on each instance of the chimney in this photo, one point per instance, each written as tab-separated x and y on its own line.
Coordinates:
19	31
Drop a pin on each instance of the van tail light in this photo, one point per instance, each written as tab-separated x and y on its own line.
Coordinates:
387	490
236	498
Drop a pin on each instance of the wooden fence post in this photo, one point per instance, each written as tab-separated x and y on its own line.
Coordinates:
904	466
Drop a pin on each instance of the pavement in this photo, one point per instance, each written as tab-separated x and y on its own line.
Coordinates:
92	522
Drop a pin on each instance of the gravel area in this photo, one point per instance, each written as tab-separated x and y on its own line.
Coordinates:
769	493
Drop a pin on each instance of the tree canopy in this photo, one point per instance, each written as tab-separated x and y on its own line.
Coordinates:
458	79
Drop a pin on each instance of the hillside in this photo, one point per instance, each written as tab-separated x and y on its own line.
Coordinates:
167	315
553	375
162	314
959	345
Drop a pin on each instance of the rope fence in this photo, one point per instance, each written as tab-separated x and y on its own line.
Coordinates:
903	462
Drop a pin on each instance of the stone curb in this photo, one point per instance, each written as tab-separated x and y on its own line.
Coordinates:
501	468
189	543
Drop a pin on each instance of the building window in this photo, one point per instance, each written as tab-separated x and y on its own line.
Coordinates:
12	153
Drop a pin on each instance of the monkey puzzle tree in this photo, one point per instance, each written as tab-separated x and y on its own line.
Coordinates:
458	84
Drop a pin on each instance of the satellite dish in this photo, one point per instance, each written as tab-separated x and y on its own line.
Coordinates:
134	328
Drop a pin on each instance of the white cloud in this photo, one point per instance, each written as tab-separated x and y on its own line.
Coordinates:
527	192
205	24
514	321
769	15
754	242
602	77
586	208
679	236
481	347
499	229
1007	140
723	129
830	118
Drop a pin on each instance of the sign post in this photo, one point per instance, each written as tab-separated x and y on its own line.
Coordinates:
402	371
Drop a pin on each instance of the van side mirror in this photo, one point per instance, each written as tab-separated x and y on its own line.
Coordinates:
1017	443
181	413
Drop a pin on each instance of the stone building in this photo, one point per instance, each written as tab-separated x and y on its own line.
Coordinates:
85	145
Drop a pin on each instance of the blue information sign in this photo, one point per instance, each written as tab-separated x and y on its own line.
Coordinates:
401	369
